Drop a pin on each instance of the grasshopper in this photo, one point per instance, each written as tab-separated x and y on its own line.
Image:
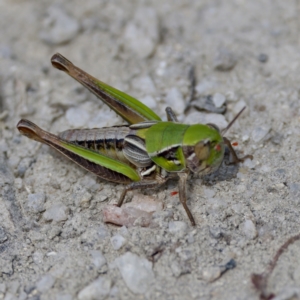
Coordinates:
144	154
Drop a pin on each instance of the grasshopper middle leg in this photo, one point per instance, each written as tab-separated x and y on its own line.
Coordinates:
139	185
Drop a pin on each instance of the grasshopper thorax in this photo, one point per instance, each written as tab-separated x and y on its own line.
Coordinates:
203	148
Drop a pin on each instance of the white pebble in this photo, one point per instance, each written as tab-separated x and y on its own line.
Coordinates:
126	216
57	213
97	259
58	27
178	228
259	133
249	163
136	272
77	116
98	289
250	229
117	241
36	202
208	193
144	84
149	101
218	99
45	283
142	33
145	203
197	117
175	99
211	274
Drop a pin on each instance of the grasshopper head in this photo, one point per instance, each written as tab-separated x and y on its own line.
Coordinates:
203	148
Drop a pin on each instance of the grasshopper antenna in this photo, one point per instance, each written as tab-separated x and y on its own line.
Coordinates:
234	119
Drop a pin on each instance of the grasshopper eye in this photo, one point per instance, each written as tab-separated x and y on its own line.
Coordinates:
214	126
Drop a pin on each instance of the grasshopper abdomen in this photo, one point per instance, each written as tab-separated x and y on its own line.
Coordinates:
108	141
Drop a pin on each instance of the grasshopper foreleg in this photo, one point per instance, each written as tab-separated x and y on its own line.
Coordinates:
182	195
236	159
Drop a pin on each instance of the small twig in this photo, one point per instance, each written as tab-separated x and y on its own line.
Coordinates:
192	79
260	281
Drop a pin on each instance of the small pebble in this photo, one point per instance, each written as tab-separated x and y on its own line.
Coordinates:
23	166
294	189
249	163
178	228
259	133
136	272
145	203
45	283
215	232
149	101
250	230
197	117
211	274
225	60
77	116
57	213
218	99
98	289
36	202
175	100
3	236
144	84
58	27
97	259
263	57
126	216
142	32
117	241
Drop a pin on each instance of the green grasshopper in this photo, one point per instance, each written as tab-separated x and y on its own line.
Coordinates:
144	154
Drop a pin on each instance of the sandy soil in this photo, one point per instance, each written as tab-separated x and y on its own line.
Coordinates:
53	242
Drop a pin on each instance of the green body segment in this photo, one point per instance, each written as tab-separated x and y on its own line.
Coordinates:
103	160
163	139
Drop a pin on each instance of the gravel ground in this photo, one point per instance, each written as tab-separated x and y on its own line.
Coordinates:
53	241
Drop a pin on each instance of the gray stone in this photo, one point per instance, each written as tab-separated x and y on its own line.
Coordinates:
218	99
45	283
178	228
136	272
77	116
250	229
294	189
36	202
175	100
3	236
197	117
117	241
98	289
58	27
57	213
225	60
142	33
259	133
97	259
